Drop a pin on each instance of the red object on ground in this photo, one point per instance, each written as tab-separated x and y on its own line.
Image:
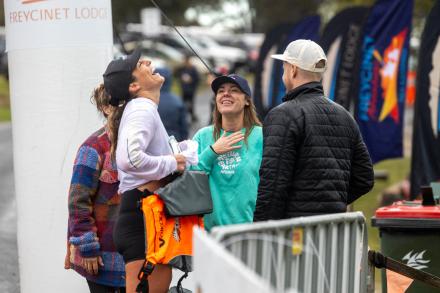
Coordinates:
408	209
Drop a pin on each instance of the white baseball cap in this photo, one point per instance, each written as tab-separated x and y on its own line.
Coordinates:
305	54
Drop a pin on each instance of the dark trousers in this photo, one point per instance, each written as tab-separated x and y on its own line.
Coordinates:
98	288
188	100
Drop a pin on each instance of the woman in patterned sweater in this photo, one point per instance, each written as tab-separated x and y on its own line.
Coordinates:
93	209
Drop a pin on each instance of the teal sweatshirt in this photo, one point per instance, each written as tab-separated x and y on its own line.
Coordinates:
233	177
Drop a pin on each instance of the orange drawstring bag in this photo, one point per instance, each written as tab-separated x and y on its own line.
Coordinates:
168	240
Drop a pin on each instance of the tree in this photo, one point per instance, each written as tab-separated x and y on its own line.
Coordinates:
262	14
129	10
2	13
267	14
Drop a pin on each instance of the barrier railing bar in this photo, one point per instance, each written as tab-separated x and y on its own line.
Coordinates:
266	265
296	269
322	254
280	265
251	253
358	240
218	233
345	260
334	257
308	260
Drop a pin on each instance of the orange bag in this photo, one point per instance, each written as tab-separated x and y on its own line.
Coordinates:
168	240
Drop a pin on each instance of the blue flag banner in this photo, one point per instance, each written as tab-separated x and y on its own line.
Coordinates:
269	88
382	77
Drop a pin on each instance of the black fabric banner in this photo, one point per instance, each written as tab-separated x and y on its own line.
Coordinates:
341	41
270	43
269	88
425	164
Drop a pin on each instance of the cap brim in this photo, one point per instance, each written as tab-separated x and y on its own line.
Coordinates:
133	58
279	57
217	83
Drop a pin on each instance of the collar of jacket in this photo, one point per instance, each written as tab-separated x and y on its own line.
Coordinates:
313	87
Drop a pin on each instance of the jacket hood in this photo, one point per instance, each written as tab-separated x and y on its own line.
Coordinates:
166	73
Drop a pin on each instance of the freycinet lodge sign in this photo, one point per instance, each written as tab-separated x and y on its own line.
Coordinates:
56	23
54	14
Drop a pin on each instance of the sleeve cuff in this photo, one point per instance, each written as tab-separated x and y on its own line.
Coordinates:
171	163
87	244
90	249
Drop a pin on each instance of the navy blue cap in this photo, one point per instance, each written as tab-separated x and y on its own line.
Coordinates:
118	76
241	82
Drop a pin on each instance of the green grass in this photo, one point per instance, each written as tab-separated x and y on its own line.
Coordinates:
5	112
4	88
398	169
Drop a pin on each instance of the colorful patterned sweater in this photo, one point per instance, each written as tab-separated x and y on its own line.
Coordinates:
93	210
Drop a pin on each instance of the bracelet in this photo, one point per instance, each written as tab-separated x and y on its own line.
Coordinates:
213	149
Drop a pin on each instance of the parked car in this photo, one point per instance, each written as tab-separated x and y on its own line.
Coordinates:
232	57
158	61
164	54
207	49
248	42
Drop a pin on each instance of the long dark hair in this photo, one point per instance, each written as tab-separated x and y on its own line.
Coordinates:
114	119
250	118
100	99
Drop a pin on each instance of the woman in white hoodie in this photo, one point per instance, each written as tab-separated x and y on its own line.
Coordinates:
143	158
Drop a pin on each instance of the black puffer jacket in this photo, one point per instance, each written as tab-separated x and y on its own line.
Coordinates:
314	158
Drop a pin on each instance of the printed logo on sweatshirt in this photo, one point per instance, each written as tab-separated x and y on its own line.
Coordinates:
229	162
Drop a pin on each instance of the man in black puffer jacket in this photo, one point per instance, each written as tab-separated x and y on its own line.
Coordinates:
314	158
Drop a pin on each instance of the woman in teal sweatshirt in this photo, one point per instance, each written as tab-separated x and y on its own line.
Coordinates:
230	151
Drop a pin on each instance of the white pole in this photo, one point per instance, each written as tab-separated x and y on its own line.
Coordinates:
57	52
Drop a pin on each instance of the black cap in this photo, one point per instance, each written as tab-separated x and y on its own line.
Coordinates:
241	82
118	76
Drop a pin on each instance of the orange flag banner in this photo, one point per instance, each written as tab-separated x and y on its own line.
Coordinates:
397	283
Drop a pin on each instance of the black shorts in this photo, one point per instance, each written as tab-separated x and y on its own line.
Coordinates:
129	231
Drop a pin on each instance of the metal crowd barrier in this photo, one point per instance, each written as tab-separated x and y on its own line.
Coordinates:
316	254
